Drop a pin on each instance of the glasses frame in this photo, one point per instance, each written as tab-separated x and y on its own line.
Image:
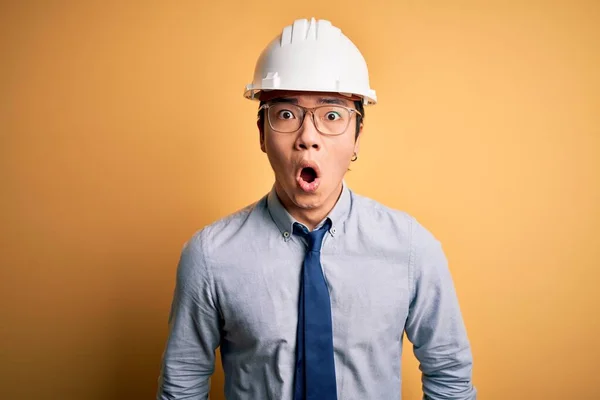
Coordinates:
310	110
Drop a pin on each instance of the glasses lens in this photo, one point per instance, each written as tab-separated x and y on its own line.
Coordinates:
332	120
285	117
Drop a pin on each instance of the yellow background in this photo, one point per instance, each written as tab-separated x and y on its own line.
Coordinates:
123	130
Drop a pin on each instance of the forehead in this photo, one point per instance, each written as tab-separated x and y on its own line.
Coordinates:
309	98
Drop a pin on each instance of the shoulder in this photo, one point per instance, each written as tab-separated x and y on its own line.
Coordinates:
221	234
373	214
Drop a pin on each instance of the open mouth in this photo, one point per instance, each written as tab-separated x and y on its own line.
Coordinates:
308	174
308	177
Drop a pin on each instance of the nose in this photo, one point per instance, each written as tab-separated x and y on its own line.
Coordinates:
308	135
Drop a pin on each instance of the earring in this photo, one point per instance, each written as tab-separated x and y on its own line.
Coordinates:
354	158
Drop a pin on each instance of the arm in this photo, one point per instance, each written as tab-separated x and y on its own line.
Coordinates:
189	358
435	325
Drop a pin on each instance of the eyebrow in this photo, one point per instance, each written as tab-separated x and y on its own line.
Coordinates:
331	100
290	100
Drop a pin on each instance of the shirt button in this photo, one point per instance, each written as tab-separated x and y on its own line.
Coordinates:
286	235
333	230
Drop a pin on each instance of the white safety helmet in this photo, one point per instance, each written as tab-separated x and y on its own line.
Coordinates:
312	56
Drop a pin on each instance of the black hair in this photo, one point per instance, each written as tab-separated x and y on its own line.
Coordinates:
358	104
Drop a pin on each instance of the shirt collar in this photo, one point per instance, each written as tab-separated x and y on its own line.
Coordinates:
285	222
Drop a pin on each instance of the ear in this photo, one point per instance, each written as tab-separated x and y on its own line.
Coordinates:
357	141
261	133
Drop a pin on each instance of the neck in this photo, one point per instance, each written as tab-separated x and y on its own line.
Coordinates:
310	217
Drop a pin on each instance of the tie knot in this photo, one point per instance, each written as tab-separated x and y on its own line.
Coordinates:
314	238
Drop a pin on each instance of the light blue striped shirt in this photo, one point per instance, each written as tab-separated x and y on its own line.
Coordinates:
238	282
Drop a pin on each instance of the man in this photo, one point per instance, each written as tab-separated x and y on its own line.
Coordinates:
308	291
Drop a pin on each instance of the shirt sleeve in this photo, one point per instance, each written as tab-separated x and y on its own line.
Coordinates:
194	330
435	326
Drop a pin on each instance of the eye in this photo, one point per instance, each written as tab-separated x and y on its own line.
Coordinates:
285	114
332	116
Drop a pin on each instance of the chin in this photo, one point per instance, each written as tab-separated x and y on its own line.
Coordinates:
302	199
305	200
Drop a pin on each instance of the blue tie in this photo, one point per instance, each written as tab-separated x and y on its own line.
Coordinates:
315	369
